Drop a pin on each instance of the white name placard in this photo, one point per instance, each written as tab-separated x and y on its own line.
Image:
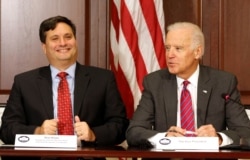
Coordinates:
187	143
56	142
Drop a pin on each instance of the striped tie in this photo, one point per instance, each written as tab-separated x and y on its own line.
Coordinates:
187	113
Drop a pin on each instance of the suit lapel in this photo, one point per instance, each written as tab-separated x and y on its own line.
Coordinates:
204	92
170	97
82	79
45	87
170	100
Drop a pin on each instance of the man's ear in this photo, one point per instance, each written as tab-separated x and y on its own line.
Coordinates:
198	52
44	48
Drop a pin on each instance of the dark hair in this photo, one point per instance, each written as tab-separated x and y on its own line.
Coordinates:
50	24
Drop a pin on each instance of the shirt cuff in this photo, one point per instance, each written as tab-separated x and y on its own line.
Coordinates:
155	137
225	139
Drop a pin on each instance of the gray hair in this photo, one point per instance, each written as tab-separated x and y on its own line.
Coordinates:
197	34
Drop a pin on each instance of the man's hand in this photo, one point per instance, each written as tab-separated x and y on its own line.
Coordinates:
83	131
48	127
203	131
208	131
175	131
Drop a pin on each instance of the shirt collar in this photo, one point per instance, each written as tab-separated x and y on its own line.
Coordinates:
70	71
193	79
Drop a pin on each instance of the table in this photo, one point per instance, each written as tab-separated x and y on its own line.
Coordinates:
118	151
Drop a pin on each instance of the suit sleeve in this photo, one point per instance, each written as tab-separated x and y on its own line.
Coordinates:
142	123
13	119
114	120
238	124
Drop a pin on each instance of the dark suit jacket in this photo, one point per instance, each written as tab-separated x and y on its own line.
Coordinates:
96	101
158	106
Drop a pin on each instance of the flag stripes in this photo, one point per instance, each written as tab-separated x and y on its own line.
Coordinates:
137	45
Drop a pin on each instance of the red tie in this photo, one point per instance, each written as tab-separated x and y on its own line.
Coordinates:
65	124
187	113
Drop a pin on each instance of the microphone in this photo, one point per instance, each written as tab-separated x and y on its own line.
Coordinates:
228	98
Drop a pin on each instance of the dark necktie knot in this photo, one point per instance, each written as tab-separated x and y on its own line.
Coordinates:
185	83
62	75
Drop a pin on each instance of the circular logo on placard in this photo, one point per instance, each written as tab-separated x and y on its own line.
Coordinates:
23	139
164	141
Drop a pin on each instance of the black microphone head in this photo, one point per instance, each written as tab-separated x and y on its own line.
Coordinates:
228	98
225	96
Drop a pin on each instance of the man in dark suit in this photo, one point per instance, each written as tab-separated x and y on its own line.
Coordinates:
99	114
158	112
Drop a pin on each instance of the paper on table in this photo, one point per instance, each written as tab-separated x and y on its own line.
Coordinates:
184	143
52	142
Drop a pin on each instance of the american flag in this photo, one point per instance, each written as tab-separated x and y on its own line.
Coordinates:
137	45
